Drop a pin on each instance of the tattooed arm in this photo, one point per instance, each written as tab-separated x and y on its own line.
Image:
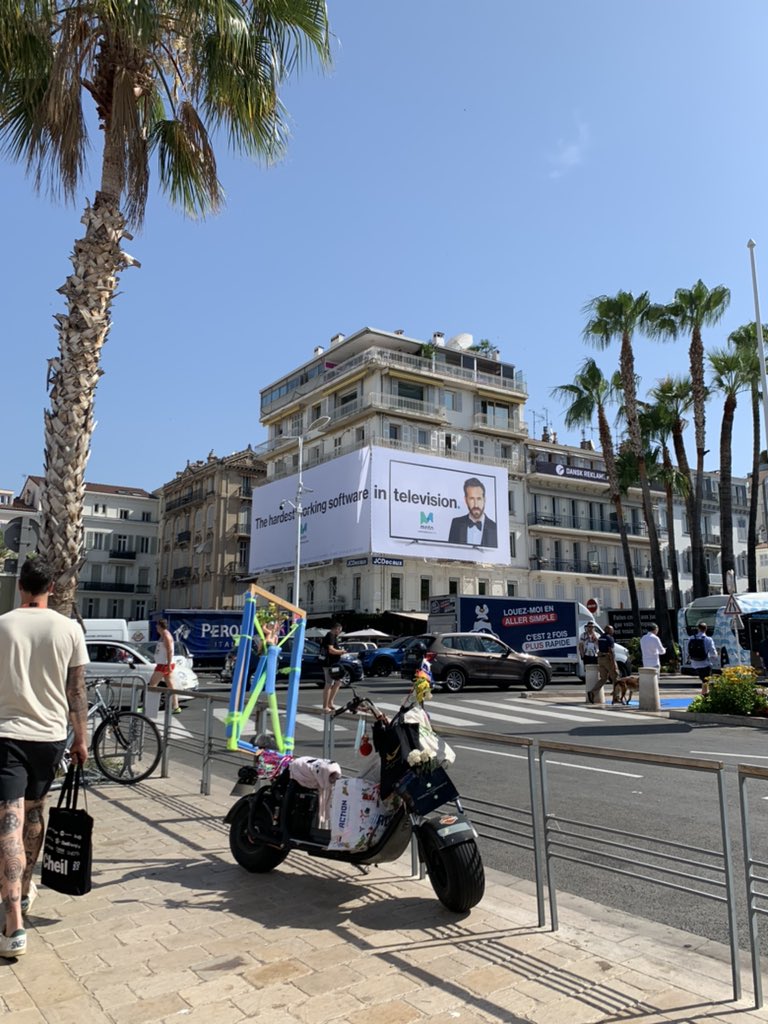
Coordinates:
78	712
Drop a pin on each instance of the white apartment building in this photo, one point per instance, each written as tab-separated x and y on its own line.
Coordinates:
121	547
416	408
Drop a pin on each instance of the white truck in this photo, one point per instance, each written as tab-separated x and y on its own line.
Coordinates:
550	629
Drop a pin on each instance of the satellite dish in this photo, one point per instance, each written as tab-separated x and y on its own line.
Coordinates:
461	342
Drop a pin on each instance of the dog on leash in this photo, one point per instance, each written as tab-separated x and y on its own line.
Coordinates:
624	687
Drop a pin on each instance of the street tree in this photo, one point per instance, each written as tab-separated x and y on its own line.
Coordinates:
167	79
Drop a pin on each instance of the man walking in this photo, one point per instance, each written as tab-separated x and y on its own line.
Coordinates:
703	655
330	656
42	685
607	669
651	648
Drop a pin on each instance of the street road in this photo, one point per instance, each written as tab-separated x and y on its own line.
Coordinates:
657	801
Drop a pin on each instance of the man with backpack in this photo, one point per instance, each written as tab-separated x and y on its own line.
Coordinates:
607	669
702	654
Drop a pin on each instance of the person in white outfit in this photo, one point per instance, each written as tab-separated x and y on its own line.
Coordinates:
652	648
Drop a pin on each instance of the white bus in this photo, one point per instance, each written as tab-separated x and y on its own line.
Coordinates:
737	638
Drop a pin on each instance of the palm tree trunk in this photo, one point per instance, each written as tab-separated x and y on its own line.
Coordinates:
696	356
754	494
727	559
627	367
690	503
669	470
97	260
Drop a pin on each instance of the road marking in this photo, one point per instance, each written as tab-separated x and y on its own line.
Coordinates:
562	764
438	717
608	710
525	710
500	715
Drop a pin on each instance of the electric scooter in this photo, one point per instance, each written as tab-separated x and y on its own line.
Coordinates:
412	795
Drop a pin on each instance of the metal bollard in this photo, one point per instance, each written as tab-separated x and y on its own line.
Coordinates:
648	690
164	772
205	778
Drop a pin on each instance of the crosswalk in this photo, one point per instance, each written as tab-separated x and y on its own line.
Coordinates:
472	713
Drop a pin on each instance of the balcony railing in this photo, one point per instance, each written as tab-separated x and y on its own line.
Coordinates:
113	588
184	537
499	425
183	573
388	403
185	499
236	568
381	357
587	567
125	556
595	525
242	528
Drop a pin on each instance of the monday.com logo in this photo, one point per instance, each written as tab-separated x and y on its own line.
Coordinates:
427	522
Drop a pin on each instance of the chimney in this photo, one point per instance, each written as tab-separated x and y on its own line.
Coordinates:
318	350
399	331
438	338
586	444
337	338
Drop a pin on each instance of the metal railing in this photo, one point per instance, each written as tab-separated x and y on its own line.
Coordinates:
594	525
754	873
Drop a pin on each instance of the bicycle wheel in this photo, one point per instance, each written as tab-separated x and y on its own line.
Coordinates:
127	747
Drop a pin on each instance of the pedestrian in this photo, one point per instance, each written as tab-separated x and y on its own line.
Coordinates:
42	690
607	669
164	666
330	656
702	655
763	652
651	647
588	645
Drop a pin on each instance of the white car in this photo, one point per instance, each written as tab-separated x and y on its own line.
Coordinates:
119	658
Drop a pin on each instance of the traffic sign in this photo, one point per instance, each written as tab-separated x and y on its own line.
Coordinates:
732	606
593	606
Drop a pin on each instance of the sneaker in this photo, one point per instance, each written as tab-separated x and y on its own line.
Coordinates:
177	711
13	945
29	899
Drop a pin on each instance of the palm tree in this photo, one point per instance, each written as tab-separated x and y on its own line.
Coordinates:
744	339
588	395
165	77
656	422
619	316
730	375
691	310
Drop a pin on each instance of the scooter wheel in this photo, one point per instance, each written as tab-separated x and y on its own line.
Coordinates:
456	873
253	855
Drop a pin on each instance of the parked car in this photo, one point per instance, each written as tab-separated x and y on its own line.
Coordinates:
388	659
462	658
118	658
357	646
311	666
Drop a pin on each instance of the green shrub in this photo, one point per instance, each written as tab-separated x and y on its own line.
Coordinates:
633	646
733	693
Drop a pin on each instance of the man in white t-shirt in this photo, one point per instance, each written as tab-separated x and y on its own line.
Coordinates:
651	647
42	689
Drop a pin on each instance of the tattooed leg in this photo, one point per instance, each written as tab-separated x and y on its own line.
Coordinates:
11	861
32	837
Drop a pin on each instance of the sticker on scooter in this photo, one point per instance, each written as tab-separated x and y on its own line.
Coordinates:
449	819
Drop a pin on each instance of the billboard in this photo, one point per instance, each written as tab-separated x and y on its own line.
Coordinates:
391	503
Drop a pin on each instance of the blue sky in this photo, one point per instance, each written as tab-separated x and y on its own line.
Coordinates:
485	167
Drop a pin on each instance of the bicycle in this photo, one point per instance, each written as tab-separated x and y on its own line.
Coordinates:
126	745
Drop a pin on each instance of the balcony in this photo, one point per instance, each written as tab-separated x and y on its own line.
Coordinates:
112	588
282	469
712	539
375	401
123	556
182	574
587	567
236	568
185	499
499	425
437	366
242	528
184	537
584	523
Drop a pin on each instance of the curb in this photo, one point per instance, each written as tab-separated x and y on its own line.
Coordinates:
704	718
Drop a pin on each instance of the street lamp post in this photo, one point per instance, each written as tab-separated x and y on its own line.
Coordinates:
315	428
759	332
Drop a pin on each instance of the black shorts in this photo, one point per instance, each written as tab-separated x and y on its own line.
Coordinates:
28	767
704	673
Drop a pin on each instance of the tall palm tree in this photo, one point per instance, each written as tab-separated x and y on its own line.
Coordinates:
166	78
744	339
730	368
618	317
691	310
656	422
588	395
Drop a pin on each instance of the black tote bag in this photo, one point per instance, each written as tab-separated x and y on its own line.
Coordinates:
67	850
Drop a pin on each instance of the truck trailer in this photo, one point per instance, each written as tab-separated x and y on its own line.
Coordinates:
208	633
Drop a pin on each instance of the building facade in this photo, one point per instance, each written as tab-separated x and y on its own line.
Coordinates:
205	529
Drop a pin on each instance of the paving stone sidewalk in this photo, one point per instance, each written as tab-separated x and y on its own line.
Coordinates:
175	931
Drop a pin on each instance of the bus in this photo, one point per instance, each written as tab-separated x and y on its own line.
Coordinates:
737	638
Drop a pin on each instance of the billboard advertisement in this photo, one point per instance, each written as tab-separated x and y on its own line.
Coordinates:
528	625
387	502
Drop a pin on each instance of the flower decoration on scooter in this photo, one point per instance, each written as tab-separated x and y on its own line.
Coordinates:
422	687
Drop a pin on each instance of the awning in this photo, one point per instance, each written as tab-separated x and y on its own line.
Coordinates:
416	616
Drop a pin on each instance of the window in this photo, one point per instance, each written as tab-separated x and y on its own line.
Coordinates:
96	572
346	399
513	545
740	494
124	513
146	517
422	438
314	455
243	548
336	443
209	517
91	608
121	542
511	588
94	541
763	559
741	528
144	545
410	390
452	401
332	589
120	575
511	502
396	592
540	591
315	414
290	593
310	593
453	586
395	432
359	434
496	414
482	588
139	609
424	587
144	576
99	509
296	424
478	446
116	608
357	582
491	646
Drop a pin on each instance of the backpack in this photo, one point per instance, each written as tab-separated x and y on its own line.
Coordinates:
697	649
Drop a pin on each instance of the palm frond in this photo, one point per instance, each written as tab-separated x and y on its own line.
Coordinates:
187	164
